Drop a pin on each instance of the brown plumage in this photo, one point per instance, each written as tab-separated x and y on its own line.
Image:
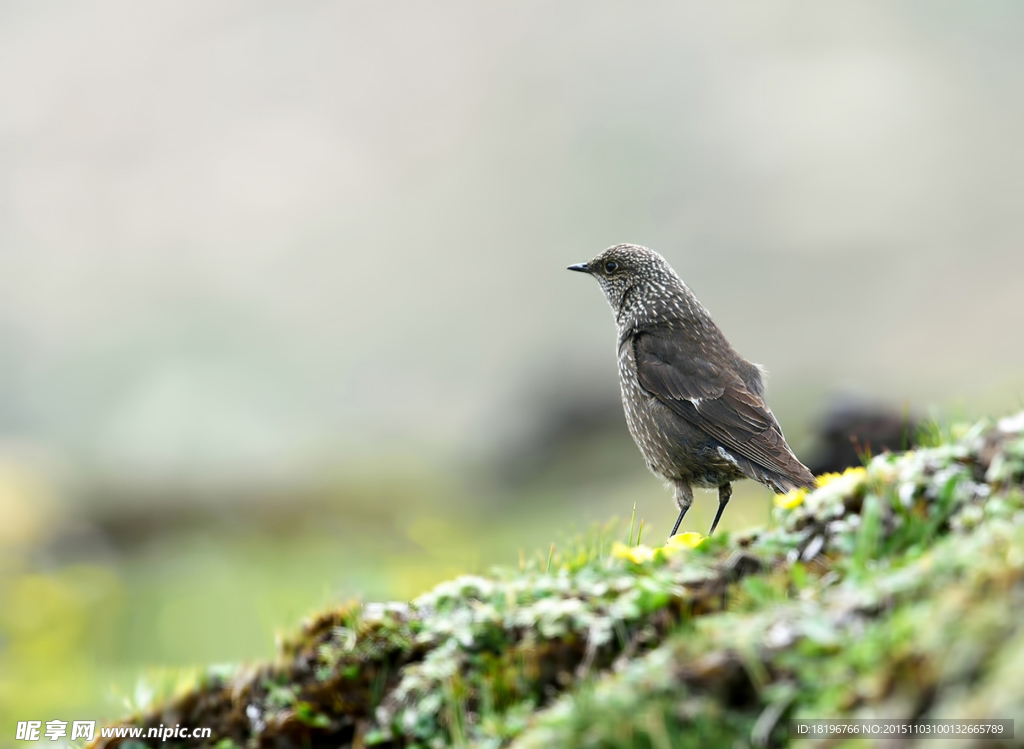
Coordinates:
693	405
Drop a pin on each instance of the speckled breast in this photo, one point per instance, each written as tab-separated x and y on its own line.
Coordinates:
642	425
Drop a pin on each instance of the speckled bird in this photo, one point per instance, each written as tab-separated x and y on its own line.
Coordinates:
693	405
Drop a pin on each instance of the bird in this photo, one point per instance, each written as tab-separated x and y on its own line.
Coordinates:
694	406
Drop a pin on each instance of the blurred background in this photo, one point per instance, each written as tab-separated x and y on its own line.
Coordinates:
284	315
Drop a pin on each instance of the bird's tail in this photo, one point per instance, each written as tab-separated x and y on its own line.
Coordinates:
798	477
781	483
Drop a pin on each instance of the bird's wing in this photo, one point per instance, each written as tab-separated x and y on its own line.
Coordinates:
713	399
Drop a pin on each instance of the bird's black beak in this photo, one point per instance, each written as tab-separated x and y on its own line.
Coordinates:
581	267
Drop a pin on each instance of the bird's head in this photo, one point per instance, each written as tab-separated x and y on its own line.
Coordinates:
627	267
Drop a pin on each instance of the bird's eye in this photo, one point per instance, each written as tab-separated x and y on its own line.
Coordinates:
611	266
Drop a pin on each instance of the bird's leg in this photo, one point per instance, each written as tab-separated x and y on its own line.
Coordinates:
684	498
724	492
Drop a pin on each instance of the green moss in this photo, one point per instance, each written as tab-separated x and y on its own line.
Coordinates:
893	591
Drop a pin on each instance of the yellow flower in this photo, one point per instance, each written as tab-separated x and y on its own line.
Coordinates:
791	499
853	474
825	479
688	540
843	483
635	554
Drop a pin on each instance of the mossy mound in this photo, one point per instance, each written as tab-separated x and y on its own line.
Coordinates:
893	591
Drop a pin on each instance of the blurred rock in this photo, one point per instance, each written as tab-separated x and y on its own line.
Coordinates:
854	426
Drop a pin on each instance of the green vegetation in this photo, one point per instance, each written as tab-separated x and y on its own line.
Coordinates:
894	591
